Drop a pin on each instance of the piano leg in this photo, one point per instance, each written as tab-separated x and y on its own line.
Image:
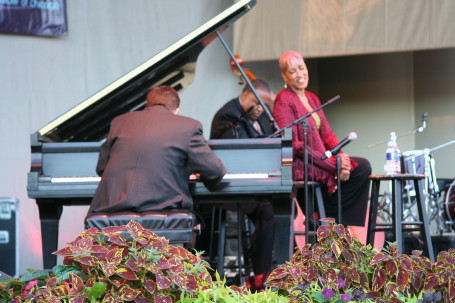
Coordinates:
50	212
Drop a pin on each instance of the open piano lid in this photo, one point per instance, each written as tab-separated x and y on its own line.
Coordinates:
175	66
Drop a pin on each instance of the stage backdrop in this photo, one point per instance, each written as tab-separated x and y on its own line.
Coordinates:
33	17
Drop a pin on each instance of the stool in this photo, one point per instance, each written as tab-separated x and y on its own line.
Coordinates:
218	231
314	188
178	226
398	226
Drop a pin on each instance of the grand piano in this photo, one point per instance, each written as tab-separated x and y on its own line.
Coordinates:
65	151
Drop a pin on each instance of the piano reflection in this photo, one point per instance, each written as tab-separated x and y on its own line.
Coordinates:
65	151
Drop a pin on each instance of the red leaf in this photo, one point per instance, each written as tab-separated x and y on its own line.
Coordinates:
134	228
88	260
113	230
90	232
402	278
76	283
451	287
114	256
127	293
378	258
131	263
336	248
349	256
119	240
354	275
347	236
323	232
328	220
64	251
162	281
98	249
379	278
160	298
340	230
391	267
405	263
108	269
191	283
126	273
117	283
163	263
150	285
84	244
430	281
110	298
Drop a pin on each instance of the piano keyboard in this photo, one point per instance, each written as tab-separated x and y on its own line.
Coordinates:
192	177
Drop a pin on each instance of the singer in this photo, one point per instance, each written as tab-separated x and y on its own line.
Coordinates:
293	102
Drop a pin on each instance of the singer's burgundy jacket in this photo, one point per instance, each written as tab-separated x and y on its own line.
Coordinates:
288	108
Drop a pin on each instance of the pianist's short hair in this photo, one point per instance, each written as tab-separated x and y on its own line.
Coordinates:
258	84
163	95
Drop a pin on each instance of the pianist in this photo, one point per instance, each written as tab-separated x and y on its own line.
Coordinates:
147	158
243	117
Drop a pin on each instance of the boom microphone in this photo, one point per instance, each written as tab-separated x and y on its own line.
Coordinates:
351	137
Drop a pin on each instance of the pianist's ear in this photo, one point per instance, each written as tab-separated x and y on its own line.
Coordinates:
176	111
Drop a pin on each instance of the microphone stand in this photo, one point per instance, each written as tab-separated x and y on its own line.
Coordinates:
305	158
417	130
339	186
266	109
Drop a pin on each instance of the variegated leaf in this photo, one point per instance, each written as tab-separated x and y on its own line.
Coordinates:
110	298
131	263
76	283
430	282
114	256
336	248
323	232
113	230
378	258
340	230
379	279
126	273
84	244
451	287
150	285
162	281
126	293
391	267
354	275
88	260
69	250
403	278
161	298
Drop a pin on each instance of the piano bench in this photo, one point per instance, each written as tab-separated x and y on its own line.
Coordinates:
178	226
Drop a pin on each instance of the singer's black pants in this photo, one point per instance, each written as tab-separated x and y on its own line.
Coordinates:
354	196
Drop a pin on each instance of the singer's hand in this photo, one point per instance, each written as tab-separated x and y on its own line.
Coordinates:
344	175
345	161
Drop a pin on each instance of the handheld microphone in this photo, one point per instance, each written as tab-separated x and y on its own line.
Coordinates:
351	137
424	122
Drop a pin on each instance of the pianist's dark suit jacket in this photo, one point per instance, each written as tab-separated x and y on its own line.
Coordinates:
146	161
230	123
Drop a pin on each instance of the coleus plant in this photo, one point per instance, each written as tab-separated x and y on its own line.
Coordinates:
340	264
122	263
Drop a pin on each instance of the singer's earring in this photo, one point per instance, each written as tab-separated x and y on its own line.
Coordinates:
285	85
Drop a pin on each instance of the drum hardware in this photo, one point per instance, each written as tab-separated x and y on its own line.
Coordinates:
449	205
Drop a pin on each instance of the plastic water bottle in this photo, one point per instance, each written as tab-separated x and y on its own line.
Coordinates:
393	163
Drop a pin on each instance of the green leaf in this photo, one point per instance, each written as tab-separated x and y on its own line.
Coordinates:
96	291
34	275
